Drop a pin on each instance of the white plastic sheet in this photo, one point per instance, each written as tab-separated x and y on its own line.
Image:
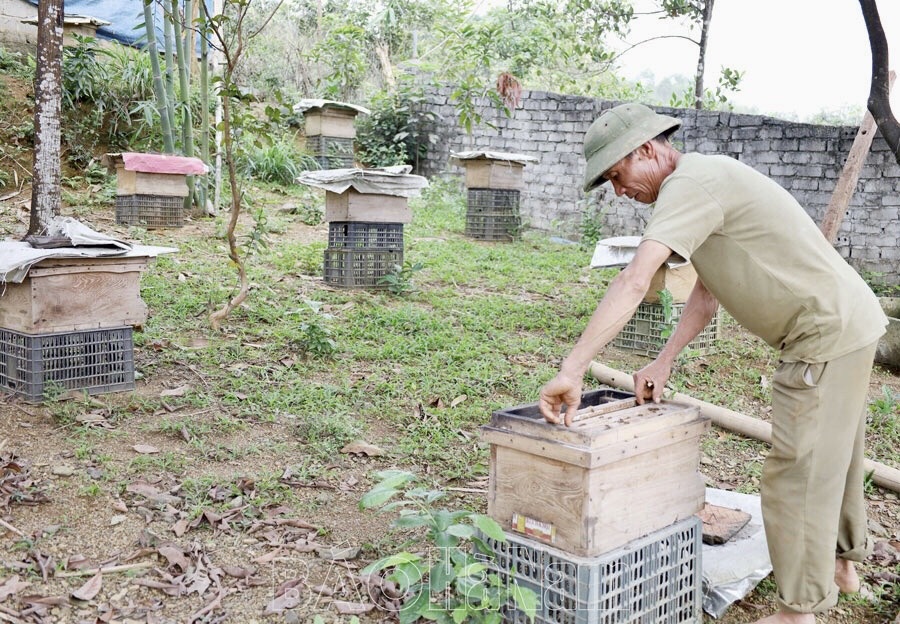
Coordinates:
619	251
383	181
522	159
17	257
731	570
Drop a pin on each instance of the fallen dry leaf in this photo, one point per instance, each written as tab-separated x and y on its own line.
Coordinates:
360	447
180	527
175	392
353	608
175	557
458	400
90	589
145	449
288	600
238	572
11	586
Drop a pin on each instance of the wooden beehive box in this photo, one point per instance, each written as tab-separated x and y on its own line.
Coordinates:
69	294
352	205
332	122
488	173
677	280
143	183
619	472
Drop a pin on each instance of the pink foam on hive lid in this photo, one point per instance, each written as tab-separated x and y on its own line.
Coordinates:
162	163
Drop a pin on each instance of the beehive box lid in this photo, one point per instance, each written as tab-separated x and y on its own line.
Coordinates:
606	417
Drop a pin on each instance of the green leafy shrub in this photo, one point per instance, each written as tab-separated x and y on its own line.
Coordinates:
278	160
591	227
447	584
105	100
394	133
399	279
316	337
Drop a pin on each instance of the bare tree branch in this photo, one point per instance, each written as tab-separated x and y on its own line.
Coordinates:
879	103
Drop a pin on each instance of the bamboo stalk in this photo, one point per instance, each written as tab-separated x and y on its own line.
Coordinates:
204	104
158	89
882	475
187	129
170	70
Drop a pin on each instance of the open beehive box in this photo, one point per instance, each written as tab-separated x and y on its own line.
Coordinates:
620	471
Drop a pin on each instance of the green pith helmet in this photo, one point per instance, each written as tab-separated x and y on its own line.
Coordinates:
618	132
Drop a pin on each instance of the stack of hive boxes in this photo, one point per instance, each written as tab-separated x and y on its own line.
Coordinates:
600	516
365	237
67	326
366	210
494	183
330	131
150	188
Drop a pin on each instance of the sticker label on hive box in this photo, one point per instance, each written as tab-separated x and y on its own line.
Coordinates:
533	528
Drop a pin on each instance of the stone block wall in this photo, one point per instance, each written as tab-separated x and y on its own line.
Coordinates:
806	159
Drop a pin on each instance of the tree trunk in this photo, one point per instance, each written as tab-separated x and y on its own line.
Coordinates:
45	191
384	59
701	57
879	93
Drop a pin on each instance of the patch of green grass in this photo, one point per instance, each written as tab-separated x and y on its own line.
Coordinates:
883	429
166	462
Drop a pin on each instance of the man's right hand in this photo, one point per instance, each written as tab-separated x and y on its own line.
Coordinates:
562	389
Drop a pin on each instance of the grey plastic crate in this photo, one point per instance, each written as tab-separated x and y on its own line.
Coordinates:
502	228
492	202
656	579
365	235
644	332
359	268
150	211
94	361
331	152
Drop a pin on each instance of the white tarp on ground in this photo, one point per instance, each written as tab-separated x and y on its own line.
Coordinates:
522	159
731	570
17	257
383	181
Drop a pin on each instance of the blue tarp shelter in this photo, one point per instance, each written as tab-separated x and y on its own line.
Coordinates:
125	17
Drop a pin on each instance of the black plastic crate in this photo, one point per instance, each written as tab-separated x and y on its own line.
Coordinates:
95	361
494	202
331	152
647	331
359	268
365	234
493	227
150	211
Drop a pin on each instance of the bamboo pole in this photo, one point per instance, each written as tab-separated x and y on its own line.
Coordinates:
168	30
158	88
204	104
187	126
882	475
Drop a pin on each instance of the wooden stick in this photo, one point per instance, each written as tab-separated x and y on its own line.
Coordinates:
846	183
8	615
117	568
604	408
882	475
6	525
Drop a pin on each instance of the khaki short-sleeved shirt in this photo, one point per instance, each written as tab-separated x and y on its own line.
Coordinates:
764	259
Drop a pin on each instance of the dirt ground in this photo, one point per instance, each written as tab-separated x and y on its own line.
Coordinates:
105	491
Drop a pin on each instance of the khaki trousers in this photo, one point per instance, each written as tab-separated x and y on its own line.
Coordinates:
812	482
